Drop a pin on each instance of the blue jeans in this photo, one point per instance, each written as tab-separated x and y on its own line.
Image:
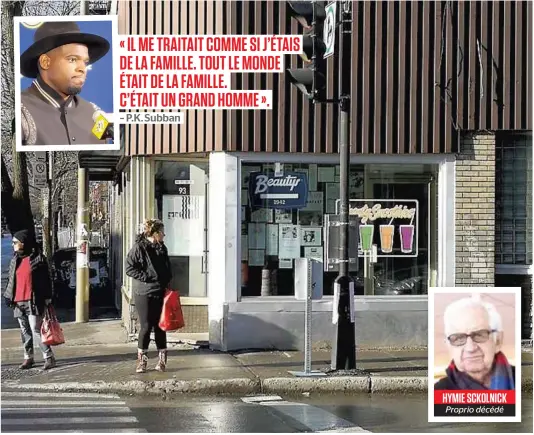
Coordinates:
30	326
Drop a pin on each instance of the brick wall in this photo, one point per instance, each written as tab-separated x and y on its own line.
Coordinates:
475	210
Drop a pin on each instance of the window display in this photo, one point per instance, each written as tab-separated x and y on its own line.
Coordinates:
274	233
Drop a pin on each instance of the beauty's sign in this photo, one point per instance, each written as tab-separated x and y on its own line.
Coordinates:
266	190
390	224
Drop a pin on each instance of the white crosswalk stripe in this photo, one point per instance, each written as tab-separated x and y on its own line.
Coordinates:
312	417
35	411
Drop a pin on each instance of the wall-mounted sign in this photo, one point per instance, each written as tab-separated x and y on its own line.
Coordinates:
390	224
288	191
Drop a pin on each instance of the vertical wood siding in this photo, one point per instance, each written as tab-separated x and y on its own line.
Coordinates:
420	73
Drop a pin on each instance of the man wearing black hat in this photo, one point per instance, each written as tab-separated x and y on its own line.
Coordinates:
28	292
52	111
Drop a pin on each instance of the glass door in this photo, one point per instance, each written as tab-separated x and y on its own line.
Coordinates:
182	198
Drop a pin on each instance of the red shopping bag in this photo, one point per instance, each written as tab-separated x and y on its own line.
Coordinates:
51	332
171	317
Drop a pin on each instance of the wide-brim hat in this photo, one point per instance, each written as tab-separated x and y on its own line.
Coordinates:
54	34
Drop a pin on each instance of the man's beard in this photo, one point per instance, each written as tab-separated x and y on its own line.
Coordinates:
74	90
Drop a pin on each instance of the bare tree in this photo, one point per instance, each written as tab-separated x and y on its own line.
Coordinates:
16	189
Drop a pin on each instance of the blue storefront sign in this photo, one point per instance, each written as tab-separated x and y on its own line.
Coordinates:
266	190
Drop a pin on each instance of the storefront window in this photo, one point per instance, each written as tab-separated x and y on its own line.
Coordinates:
181	202
272	237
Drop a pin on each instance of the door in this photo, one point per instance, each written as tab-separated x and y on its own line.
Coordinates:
182	195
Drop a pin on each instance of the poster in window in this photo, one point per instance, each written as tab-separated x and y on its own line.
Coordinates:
311	236
262	215
245	173
285	263
256	257
332	191
315	202
326	174
244	248
282	216
272	239
184	220
310	218
315	253
244	197
312	178
289	241
256	236
330	206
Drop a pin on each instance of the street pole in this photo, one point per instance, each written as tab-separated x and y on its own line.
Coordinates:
344	346
82	250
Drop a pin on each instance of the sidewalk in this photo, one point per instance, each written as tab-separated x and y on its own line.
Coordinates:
95	359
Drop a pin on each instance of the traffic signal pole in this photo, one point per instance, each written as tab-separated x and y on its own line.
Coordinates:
344	343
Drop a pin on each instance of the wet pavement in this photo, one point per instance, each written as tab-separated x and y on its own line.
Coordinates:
38	411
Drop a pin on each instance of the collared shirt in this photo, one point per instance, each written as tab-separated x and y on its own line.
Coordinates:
49	119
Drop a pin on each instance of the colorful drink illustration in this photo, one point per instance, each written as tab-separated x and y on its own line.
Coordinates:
366	236
386	238
406	236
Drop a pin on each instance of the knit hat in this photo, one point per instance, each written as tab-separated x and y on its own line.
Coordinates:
23	236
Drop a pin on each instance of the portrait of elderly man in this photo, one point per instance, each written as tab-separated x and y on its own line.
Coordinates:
52	111
474	337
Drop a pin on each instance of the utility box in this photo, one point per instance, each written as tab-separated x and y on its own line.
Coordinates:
308	272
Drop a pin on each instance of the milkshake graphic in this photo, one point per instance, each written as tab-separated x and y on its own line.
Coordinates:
406	236
366	237
386	238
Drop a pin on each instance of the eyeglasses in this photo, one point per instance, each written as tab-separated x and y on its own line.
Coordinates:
15	242
480	336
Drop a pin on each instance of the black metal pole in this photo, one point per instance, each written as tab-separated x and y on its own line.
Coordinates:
344	346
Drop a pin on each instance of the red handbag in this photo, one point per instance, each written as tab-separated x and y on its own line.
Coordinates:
172	317
51	332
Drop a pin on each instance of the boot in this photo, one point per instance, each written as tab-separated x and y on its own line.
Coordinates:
50	363
142	361
162	362
27	364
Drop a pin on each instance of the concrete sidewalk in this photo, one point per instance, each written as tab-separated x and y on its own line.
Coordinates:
96	357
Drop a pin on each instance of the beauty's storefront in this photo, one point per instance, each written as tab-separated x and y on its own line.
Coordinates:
406	246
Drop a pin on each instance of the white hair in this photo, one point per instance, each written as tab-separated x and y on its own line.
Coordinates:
451	312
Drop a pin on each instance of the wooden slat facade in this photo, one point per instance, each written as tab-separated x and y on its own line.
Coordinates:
421	73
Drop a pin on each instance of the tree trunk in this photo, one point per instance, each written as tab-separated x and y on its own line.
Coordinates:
21	194
15	194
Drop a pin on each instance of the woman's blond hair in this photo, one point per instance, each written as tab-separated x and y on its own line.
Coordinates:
151	227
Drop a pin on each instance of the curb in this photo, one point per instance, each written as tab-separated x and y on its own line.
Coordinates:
246	386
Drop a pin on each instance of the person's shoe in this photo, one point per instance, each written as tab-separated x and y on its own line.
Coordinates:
162	362
50	363
27	364
142	362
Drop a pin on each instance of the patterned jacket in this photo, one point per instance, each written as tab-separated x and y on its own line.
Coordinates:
42	286
48	119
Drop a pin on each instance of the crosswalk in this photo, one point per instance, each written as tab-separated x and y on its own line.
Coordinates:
35	411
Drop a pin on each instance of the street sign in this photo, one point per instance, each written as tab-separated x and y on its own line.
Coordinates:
40	156
40	178
329	30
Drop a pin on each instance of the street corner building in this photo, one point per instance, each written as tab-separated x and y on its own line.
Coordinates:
440	174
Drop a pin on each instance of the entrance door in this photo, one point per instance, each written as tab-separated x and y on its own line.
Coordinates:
182	195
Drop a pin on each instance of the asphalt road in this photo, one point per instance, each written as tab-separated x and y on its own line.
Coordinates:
36	411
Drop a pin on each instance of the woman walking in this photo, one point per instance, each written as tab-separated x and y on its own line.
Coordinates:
149	265
28	292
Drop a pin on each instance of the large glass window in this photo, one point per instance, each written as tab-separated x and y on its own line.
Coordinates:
513	195
271	238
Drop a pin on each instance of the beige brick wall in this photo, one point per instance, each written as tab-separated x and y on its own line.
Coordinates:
475	210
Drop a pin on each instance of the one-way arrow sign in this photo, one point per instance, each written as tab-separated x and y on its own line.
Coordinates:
329	30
